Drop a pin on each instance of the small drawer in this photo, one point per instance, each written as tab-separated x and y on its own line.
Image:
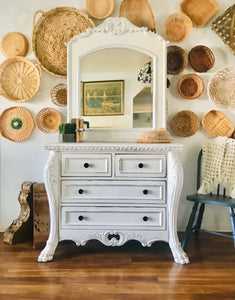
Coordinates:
85	165
114	192
140	165
75	217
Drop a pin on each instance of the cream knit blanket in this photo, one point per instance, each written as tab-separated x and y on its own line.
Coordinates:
218	166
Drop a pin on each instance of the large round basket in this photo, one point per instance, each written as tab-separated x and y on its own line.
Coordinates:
185	123
50	33
19	79
48	120
16	124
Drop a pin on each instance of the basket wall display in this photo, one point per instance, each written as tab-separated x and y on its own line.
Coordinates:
221	88
19	79
59	94
217	124
99	9
185	123
48	120
14	44
16	124
50	33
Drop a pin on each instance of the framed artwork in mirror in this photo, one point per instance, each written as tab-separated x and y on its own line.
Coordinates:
102	98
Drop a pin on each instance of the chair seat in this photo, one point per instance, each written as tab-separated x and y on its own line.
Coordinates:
212	199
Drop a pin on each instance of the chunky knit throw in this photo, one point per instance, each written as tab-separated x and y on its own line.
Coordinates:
218	166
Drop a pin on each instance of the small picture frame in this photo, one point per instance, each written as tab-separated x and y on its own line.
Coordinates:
103	98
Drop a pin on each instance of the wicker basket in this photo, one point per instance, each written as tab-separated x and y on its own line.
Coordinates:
48	120
99	9
19	79
14	44
138	12
16	124
224	26
221	88
190	86
185	123
177	60
59	94
217	124
201	58
50	33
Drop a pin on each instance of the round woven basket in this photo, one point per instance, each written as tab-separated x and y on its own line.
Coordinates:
50	33
99	9
14	44
177	60
190	86
19	79
16	124
185	123
221	88
201	58
48	120
59	94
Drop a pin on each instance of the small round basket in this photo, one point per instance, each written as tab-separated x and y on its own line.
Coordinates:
190	86
48	120
201	58
99	9
16	124
177	60
59	94
14	44
221	88
19	79
50	33
185	123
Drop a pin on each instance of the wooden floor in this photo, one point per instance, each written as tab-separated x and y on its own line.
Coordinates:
127	272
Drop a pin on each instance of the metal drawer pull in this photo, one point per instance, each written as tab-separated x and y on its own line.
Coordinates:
145	218
86	165
145	192
140	165
80	218
80	191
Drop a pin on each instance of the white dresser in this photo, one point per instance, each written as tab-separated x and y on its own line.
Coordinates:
113	192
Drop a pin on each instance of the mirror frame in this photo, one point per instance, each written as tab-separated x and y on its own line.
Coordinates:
118	33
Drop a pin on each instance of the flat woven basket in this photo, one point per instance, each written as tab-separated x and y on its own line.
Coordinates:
16	124
217	124
48	120
59	94
224	27
185	123
19	79
50	33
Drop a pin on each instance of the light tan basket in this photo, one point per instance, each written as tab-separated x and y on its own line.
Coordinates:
138	12
48	120
217	124
50	33
14	44
99	9
59	94
199	11
185	123
19	79
224	27
16	124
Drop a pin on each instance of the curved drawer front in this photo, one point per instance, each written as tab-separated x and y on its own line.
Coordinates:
140	165
114	192
74	217
85	165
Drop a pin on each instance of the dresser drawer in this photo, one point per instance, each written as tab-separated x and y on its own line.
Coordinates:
74	217
85	165
140	165
114	192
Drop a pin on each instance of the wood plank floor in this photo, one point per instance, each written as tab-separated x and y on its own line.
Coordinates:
127	272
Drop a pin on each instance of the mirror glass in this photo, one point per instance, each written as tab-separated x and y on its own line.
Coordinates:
112	94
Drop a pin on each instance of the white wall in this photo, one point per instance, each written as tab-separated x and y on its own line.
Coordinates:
25	160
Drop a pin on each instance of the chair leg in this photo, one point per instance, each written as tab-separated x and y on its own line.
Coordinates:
197	227
232	218
189	227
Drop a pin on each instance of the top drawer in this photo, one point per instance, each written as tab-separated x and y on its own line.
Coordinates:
88	165
140	165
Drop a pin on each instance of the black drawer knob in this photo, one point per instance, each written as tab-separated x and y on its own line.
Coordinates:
140	165
145	218
86	165
145	192
80	191
80	218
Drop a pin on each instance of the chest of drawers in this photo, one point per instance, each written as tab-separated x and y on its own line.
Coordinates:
113	193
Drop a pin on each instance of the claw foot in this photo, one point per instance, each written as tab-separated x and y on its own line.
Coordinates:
179	255
47	253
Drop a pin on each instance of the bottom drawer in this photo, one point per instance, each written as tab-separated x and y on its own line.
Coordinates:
105	217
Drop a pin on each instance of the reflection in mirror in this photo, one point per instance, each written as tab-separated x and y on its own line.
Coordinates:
102	75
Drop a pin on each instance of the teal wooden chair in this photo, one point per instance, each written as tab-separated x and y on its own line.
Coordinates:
200	201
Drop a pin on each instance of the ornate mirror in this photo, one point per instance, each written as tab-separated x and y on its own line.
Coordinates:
117	80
